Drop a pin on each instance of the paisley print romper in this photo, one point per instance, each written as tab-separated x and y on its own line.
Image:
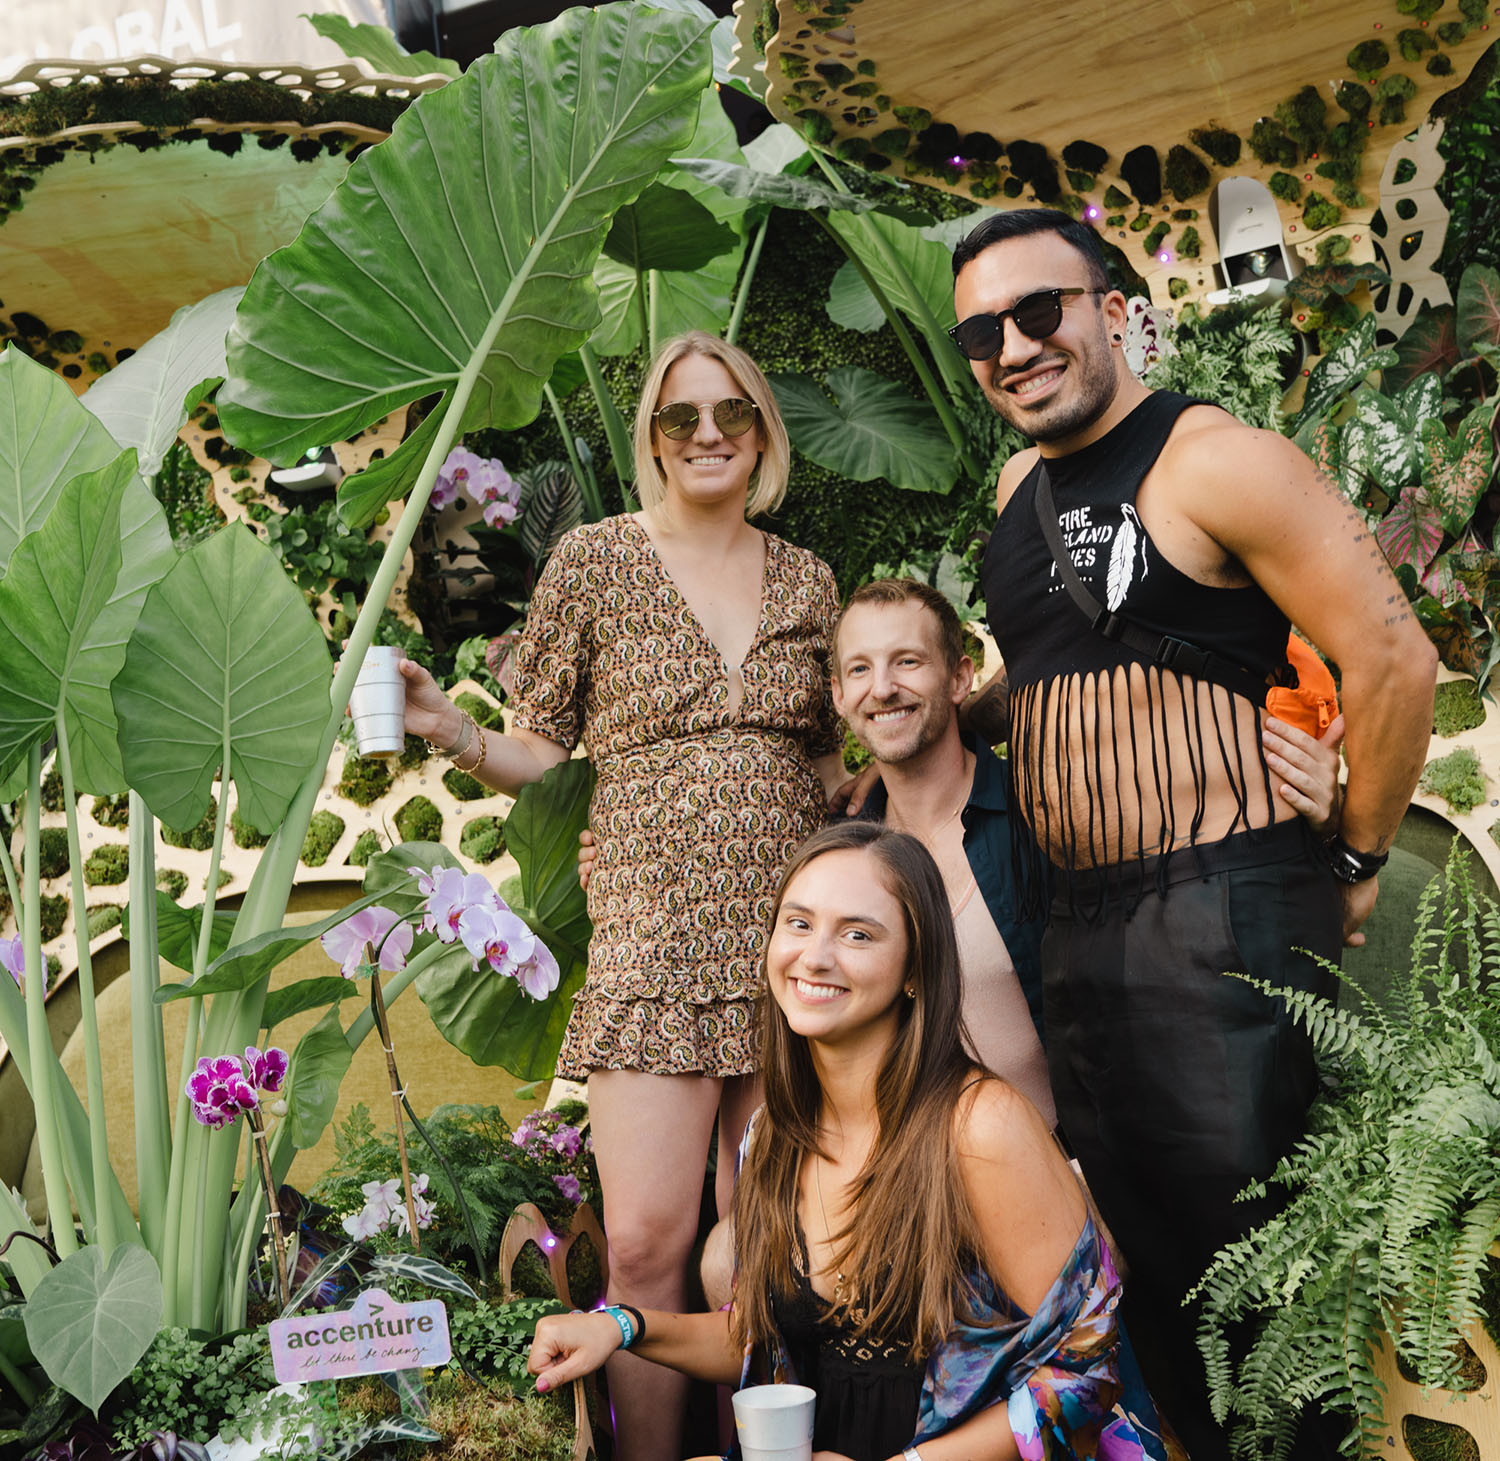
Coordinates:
696	809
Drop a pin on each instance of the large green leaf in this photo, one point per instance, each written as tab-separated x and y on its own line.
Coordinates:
376	44
696	299
319	1064
916	273
1392	444
225	645
1478	308
60	581
782	190
1428	346
91	1319
542	834
1351	360
467	238
306	994
46	439
177	932
850	303
144	401
665	228
871	429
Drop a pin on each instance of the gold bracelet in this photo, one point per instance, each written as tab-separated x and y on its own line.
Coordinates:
466	729
479	749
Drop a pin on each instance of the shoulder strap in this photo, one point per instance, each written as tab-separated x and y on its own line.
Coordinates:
1164	650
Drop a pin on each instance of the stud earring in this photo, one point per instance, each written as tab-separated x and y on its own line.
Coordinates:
910	991
1117	338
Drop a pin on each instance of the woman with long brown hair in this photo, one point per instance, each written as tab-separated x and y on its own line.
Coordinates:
911	1243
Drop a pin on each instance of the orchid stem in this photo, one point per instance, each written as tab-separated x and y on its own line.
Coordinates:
278	1241
377	1003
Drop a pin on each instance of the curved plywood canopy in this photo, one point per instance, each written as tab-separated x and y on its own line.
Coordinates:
1131	117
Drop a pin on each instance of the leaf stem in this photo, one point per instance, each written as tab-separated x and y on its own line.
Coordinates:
377	1007
583	473
620	449
153	1132
278	1239
747	277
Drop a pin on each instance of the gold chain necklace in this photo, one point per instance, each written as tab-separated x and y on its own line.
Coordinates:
924	837
838	1277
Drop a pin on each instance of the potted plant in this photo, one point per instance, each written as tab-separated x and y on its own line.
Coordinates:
1395	1197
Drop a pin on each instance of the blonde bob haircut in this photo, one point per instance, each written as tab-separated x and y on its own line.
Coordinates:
768	480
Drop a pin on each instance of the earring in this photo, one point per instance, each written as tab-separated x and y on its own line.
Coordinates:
910	991
1117	338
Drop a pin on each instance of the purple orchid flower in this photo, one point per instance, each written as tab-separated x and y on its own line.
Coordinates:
492	933
379	927
13	958
568	1185
219	1091
266	1070
455	475
449	891
567	1141
539	975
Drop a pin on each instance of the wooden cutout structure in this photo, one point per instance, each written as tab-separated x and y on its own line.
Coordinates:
1411	209
528	1225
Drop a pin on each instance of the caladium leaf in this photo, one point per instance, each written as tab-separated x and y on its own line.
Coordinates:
466	241
1478	308
1451	629
1412	531
46	439
1458	468
1392	446
1429	347
871	429
1352	359
225	645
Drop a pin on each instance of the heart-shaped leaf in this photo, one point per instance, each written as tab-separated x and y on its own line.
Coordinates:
1478	308
472	231
1393	448
850	303
46	439
225	649
1458	468
177	932
1411	532
542	834
91	1319
306	994
1351	360
665	228
144	400
61	580
871	429
319	1064
1427	347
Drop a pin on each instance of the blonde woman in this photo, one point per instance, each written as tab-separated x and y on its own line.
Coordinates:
689	650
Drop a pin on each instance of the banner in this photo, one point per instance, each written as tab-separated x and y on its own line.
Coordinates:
243	31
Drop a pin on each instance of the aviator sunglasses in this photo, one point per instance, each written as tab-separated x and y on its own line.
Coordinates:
1036	316
678	420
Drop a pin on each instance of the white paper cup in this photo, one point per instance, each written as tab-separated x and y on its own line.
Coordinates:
775	1422
378	703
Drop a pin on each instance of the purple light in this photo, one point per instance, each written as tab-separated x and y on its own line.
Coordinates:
956	161
1091	213
1165	257
549	1241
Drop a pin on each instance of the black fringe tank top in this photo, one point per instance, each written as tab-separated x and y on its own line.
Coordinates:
1113	754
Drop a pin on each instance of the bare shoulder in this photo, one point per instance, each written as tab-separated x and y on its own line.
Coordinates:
995	1123
1012	474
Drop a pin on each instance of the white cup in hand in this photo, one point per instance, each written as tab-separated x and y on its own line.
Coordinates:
378	703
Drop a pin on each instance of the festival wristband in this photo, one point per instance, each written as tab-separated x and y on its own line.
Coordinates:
627	1324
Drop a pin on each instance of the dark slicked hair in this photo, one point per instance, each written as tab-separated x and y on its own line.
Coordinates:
1022	223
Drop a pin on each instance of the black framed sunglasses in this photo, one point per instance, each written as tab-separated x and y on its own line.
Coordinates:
1036	316
678	420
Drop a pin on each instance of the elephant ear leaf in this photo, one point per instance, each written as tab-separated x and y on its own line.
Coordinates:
468	238
226	667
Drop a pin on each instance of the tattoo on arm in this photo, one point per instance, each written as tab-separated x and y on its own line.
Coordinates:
987	711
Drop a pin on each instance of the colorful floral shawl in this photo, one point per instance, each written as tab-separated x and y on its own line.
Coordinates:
1064	1373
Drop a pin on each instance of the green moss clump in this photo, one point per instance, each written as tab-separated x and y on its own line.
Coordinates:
54	969
1218	142
463	786
1153	240
1414	43
323	830
1319	212
851	149
419	821
1451	32
1393	94
1304	117
172	883
1439	65
1071	204
112	811
1352	99
893	141
243	833
816	126
1368	59
1177	287
1331	250
364	779
52	852
1189	244
835	73
1457	707
195	839
483	839
103	918
855	756
914	119
1184	215
1342	169
107	865
366	845
52	793
793	66
1140	223
54	915
1419	9
1115	220
1185	174
1270	144
1114	198
1087	157
1081	182
485	714
1457	778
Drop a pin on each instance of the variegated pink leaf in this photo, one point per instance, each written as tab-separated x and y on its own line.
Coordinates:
1478	308
1457	469
1411	532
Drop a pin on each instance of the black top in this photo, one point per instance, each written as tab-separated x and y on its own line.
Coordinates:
1124	798
868	1391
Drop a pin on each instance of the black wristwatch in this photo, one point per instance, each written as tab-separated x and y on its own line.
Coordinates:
1350	866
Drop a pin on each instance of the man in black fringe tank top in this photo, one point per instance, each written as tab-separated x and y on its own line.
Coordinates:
1137	762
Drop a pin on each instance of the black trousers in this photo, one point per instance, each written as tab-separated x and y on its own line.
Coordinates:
1176	1086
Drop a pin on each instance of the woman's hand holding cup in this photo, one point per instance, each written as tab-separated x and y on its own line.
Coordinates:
429	713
